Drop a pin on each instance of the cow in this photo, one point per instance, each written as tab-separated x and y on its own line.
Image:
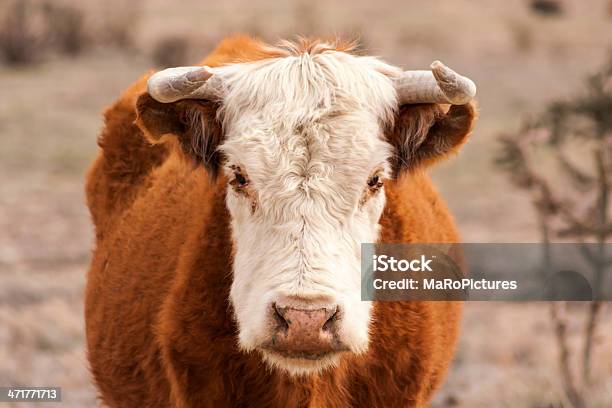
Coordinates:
230	200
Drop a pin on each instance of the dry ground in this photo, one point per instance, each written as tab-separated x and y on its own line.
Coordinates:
50	117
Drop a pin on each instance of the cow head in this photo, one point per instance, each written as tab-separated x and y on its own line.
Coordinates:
306	140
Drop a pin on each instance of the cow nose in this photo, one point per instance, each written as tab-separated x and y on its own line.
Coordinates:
305	333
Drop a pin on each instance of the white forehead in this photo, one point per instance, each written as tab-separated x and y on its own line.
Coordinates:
308	117
298	85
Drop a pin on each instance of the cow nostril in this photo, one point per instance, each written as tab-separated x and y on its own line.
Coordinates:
329	324
303	330
279	318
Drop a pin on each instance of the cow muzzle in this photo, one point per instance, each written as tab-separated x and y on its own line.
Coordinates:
303	329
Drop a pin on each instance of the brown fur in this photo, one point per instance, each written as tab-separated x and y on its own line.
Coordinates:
159	329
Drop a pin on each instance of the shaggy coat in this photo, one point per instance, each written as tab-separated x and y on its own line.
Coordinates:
160	332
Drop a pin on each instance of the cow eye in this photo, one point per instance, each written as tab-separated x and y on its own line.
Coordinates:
239	181
375	182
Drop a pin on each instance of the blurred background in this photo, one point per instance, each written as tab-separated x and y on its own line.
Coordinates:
62	62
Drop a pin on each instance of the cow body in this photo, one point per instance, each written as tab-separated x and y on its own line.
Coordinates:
160	329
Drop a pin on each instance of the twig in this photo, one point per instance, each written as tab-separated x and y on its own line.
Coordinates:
599	265
559	318
593	319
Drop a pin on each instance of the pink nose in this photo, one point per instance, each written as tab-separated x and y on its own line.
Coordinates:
304	333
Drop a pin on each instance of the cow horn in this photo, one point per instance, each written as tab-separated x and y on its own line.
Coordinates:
440	85
173	84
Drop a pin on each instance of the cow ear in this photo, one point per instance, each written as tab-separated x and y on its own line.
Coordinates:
194	123
425	133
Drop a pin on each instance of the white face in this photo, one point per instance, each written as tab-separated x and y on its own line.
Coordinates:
305	159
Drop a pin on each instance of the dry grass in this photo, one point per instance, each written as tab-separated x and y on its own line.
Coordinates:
49	124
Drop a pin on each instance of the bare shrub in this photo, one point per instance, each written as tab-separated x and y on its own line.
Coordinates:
171	51
30	29
547	8
66	29
581	212
18	44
